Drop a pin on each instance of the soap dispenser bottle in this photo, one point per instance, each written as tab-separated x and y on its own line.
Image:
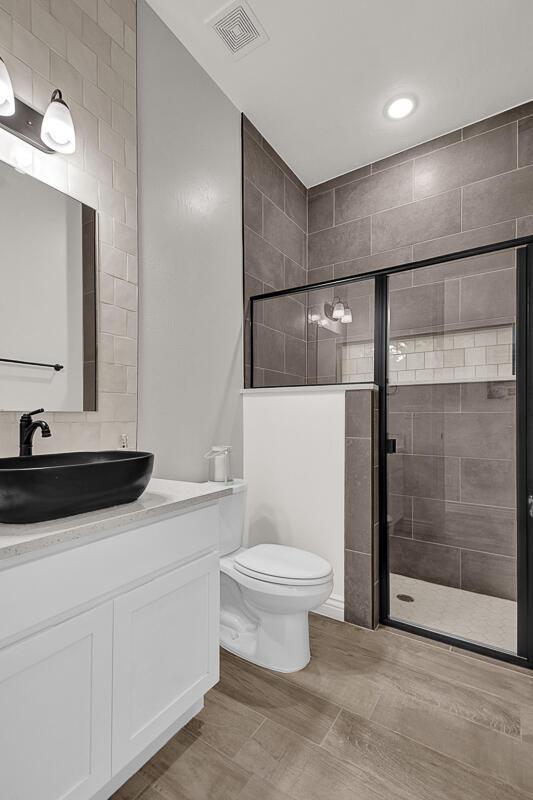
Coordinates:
219	458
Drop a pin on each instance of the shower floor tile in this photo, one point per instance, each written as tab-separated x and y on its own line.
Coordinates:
465	615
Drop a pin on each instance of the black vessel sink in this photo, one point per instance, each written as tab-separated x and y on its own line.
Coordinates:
38	488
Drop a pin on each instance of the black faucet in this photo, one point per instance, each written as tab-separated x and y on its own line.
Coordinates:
28	428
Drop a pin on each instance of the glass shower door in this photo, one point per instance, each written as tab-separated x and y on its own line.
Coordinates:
451	443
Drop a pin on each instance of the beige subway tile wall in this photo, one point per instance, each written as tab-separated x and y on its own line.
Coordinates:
87	48
478	353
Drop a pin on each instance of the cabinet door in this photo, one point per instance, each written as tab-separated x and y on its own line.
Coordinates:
55	710
165	654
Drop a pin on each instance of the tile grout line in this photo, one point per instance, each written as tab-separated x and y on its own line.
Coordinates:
478	770
422	642
331	727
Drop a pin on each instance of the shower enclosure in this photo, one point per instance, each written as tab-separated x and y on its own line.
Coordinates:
446	341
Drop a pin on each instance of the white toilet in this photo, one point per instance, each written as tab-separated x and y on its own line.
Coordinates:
266	592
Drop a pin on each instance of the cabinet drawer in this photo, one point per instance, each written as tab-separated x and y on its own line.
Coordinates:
165	654
55	711
40	590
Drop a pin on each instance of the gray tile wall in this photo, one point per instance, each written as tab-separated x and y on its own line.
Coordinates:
452	485
361	509
469	187
275	257
88	49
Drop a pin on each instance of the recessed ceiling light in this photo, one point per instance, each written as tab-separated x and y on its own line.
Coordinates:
400	107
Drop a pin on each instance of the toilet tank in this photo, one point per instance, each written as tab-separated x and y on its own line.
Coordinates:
232	514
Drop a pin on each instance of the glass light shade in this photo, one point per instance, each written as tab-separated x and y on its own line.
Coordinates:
7	96
338	309
57	130
347	316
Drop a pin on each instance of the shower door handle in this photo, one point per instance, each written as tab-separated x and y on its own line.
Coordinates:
530	505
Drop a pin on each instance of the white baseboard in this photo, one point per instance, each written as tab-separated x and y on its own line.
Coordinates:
333	608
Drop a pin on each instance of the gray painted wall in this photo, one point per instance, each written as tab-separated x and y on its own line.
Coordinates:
190	324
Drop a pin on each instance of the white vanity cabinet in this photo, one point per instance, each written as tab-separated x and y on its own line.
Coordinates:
107	647
165	654
55	710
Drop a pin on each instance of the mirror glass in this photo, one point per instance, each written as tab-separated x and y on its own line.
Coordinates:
47	297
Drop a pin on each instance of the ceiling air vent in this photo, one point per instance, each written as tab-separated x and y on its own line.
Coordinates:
239	28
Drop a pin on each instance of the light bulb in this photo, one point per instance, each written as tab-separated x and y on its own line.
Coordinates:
57	130
338	309
347	316
400	107
7	97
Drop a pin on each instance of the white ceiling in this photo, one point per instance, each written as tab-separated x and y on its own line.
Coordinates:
317	88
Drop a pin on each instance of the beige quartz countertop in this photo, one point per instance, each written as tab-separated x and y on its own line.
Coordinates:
160	498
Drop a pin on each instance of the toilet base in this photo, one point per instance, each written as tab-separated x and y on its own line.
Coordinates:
279	642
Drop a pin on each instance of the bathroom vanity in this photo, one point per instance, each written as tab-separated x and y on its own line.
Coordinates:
108	639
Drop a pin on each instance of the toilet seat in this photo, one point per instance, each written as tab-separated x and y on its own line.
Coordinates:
279	564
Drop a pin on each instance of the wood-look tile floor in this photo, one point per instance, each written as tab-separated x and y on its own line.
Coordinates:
376	715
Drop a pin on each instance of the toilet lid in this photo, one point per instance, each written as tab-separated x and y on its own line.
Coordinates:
278	561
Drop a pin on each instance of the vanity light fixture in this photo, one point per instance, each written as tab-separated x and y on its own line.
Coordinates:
52	133
7	96
400	107
57	129
347	316
338	309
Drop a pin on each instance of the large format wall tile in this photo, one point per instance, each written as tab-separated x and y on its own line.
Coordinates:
422	307
261	170
474	435
263	261
253	207
417	151
358	588
425	561
295	356
269	348
466	162
525	142
418	221
392	187
488	296
503	197
427	397
488	482
390	258
358	494
487	573
429	476
489	396
499	232
506	117
285	314
320	212
295	204
283	233
340	180
485	528
342	243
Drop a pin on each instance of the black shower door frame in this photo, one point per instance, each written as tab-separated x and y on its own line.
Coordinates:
524	429
524	446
